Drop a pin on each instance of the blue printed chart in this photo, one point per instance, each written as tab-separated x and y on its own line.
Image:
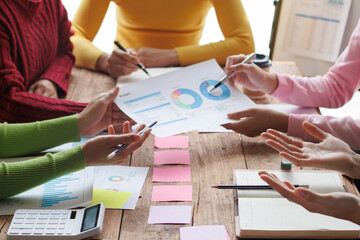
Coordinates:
71	190
221	93
186	98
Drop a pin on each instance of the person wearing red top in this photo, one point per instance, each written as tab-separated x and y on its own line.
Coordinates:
35	61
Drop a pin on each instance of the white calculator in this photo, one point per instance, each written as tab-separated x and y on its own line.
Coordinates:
57	224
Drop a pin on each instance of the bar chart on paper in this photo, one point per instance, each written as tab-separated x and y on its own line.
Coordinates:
71	190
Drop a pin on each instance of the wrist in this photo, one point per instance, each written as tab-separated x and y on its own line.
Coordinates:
282	122
102	64
272	83
81	125
356	165
172	58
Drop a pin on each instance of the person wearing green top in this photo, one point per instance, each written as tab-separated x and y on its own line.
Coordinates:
30	138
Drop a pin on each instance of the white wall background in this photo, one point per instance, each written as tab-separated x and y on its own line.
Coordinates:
260	14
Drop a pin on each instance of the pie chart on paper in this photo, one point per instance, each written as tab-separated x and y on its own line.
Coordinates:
219	94
186	98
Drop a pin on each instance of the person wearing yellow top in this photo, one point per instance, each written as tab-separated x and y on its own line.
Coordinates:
161	32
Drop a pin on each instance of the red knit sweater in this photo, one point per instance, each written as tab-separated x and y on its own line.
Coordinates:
34	45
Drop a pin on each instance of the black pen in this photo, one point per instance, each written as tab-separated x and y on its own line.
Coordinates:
251	187
139	65
122	146
248	58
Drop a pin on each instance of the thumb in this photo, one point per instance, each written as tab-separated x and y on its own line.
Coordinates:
314	131
112	94
309	195
238	115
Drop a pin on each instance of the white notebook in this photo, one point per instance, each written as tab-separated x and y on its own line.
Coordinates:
266	214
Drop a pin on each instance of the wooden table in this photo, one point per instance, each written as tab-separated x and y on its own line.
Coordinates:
213	158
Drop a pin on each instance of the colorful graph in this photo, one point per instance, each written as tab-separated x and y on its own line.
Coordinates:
186	98
116	178
57	191
219	94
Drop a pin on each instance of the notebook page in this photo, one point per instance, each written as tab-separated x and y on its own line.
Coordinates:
279	217
318	181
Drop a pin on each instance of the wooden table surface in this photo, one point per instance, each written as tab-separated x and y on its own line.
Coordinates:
213	158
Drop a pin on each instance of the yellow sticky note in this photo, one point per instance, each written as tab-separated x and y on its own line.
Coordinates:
111	199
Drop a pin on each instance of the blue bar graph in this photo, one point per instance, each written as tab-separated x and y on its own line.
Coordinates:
57	191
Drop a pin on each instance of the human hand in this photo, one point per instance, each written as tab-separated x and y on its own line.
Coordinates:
338	204
117	64
153	57
97	149
100	113
331	153
252	122
45	88
250	75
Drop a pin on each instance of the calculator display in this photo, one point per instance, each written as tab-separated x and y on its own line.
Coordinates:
90	217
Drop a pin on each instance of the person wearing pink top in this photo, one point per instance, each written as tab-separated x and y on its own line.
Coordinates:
331	90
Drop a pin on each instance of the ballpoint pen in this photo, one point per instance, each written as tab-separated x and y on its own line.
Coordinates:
139	65
251	187
248	58
122	146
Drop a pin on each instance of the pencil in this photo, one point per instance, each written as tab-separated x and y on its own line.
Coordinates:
251	187
139	65
248	58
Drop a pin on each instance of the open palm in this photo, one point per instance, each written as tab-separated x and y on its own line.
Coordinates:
330	153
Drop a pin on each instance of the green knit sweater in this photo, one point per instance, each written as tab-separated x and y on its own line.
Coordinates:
30	138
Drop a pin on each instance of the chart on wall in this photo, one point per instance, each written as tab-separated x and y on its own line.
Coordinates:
181	100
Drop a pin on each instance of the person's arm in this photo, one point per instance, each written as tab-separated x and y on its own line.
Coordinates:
86	23
346	128
331	90
236	29
29	138
18	105
59	68
17	177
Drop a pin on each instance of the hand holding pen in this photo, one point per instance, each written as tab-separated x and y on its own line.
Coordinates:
247	59
144	133
139	65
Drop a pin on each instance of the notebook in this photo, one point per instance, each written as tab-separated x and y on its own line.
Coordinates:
266	214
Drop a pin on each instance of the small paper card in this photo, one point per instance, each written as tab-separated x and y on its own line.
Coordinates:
169	215
171	157
210	232
172	174
172	193
172	142
111	199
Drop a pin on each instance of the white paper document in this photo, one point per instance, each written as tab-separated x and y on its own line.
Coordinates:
122	179
180	100
71	190
315	28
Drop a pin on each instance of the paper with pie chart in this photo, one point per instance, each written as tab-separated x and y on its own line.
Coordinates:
181	100
121	179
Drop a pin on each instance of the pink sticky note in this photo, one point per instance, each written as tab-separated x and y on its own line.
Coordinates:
172	174
169	193
210	232
170	215
172	142
171	157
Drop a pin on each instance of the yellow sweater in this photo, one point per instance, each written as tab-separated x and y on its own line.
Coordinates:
164	24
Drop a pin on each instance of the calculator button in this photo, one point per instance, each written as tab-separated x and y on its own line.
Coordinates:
14	231
41	221
38	230
21	211
29	221
18	221
60	231
50	231
43	217
68	231
20	216
32	212
62	221
52	221
28	225
26	231
31	216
